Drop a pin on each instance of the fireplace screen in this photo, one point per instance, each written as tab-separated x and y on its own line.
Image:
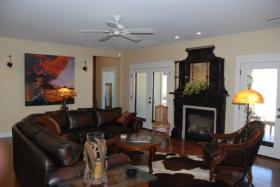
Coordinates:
200	123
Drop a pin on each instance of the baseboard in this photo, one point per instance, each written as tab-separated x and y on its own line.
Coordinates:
6	134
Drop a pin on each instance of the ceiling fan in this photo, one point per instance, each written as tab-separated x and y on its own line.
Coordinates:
115	29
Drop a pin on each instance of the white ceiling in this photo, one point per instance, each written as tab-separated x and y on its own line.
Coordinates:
59	21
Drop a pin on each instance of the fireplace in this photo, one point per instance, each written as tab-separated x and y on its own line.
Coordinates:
199	113
198	122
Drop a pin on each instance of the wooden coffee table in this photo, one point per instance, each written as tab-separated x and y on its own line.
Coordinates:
116	178
127	145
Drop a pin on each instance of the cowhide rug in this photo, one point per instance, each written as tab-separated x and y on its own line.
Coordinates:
174	170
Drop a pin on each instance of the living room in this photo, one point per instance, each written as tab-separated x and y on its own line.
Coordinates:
251	30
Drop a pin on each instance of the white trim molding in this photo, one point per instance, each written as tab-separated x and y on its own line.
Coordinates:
247	59
7	134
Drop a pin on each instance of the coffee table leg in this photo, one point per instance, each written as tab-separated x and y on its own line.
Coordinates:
152	151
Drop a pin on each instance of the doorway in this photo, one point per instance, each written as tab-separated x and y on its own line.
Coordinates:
108	89
150	87
106	82
263	71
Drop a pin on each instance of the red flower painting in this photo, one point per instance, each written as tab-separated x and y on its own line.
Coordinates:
44	75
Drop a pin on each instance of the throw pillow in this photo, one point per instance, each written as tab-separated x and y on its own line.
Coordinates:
125	118
49	124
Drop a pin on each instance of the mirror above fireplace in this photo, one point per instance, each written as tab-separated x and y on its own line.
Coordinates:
199	72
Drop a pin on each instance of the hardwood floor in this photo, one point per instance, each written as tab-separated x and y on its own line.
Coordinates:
266	171
7	176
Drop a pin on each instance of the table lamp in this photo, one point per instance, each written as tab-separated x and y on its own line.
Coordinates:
65	93
247	97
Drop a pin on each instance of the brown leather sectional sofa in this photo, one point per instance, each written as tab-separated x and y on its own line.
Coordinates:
46	156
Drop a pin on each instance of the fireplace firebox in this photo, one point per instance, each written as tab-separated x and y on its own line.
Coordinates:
197	115
198	122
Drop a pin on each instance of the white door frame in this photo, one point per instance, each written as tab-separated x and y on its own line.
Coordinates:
114	70
261	58
157	65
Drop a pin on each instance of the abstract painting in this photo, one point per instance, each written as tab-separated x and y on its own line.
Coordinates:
44	75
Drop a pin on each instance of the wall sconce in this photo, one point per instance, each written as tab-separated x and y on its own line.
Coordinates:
85	66
9	63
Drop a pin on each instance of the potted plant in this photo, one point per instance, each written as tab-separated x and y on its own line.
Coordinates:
192	88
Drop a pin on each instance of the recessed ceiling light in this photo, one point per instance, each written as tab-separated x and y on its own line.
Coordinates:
198	33
176	37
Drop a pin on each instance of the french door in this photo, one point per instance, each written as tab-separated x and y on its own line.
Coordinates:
150	87
264	77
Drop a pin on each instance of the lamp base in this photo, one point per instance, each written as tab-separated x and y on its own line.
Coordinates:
64	108
64	105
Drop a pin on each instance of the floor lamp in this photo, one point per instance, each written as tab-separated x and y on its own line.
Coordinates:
247	97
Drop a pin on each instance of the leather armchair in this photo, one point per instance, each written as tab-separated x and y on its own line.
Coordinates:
235	151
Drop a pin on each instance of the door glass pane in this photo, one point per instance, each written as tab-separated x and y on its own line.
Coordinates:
159	90
141	94
265	82
108	89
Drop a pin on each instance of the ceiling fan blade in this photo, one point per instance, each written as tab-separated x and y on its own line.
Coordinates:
112	24
94	31
141	31
131	37
106	38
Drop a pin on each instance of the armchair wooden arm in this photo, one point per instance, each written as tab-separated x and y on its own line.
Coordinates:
233	135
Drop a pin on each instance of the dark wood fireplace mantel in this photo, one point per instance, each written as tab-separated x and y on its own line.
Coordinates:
213	97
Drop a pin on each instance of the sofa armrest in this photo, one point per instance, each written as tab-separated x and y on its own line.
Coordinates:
136	123
29	161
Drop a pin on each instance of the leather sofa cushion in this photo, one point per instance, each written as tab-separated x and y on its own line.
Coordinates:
50	124
61	152
28	127
60	117
77	171
81	119
79	135
66	173
108	116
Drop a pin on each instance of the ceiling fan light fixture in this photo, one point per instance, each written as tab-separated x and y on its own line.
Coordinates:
275	19
198	33
176	37
115	29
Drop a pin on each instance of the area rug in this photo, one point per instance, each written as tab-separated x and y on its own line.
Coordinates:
174	170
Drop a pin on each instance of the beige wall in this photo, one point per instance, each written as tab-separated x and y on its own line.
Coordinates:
103	63
228	47
12	105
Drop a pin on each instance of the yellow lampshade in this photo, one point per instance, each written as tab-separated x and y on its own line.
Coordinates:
66	92
247	96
